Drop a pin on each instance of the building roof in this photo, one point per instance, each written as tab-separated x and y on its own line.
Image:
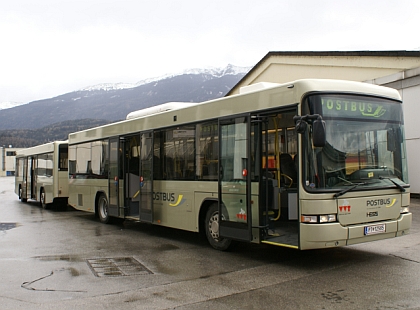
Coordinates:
401	54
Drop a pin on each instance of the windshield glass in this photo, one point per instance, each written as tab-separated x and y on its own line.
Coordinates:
365	144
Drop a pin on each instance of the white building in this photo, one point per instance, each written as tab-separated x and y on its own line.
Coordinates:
7	161
407	82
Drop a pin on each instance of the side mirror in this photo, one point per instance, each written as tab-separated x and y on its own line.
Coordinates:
318	128
318	132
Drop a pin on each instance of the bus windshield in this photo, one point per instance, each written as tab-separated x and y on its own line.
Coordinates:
365	145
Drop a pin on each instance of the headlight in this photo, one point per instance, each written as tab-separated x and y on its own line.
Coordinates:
309	218
327	218
404	209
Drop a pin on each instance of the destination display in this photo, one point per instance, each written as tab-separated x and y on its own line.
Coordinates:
360	107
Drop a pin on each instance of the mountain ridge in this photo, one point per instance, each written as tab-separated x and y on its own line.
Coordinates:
213	71
110	104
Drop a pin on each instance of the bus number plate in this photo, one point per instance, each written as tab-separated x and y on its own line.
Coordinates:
375	229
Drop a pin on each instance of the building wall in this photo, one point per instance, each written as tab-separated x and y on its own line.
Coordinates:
7	161
407	82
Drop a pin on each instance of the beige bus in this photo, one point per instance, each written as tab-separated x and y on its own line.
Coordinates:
307	164
42	174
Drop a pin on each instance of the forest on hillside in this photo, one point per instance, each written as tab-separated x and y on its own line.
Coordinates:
23	138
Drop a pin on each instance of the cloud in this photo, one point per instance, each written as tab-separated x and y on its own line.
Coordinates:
55	46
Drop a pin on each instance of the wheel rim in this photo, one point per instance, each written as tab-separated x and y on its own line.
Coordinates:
103	208
214	226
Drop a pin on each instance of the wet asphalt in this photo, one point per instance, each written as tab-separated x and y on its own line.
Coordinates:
66	259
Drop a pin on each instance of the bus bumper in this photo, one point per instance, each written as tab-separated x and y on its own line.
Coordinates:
318	236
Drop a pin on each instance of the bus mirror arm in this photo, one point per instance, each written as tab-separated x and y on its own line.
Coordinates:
300	124
318	127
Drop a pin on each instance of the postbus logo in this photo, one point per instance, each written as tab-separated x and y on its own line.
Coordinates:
169	197
387	202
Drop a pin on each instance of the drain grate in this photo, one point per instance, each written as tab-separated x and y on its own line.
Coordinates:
116	267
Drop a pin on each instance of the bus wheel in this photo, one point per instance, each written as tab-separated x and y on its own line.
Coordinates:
20	194
102	207
42	199
212	230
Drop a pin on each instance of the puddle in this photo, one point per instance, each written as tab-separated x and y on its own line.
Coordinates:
7	226
68	258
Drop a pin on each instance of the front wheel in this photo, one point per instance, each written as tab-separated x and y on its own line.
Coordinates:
212	230
21	195
102	207
42	199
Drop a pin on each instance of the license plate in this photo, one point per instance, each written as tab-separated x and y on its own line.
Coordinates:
375	229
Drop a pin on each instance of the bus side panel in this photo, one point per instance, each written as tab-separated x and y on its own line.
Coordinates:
82	193
63	184
173	204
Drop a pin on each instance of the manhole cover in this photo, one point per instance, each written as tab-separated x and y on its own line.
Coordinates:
116	267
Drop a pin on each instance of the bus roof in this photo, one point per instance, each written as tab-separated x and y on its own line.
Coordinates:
159	109
255	98
40	149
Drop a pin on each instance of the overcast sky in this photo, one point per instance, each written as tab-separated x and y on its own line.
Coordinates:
51	47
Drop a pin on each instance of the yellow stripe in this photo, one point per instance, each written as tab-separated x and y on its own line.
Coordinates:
281	244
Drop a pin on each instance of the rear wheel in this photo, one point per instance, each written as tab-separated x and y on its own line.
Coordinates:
102	207
212	230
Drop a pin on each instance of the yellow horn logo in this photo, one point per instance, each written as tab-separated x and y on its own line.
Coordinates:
392	203
178	202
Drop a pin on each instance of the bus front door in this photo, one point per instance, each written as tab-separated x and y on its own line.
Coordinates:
235	221
31	178
146	177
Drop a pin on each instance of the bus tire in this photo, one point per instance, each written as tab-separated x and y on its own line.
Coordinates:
211	225
20	194
42	199
102	207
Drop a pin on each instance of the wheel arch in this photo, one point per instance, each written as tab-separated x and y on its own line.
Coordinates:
205	205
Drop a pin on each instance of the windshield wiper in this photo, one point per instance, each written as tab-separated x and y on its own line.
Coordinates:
402	189
336	195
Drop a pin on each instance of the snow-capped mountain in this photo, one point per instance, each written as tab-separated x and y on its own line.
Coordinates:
212	72
112	102
10	104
